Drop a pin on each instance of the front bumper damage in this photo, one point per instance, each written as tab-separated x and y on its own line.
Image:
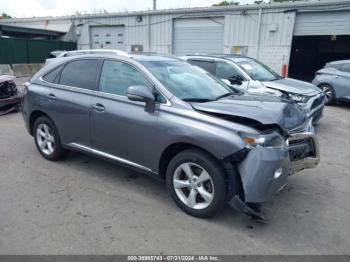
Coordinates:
314	107
10	104
10	98
265	170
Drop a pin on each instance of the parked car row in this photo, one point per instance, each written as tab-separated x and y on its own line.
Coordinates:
212	143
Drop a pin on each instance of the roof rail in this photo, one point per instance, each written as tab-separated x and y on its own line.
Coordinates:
115	51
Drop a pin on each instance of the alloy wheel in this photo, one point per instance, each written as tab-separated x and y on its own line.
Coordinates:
45	139
327	91
193	185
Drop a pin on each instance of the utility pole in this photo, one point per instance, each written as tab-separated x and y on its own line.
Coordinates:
154	4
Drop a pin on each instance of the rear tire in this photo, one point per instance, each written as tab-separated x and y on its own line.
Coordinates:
329	92
196	183
47	139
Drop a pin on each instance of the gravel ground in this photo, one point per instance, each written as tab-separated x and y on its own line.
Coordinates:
83	205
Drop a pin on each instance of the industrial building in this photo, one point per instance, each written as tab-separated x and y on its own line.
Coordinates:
302	35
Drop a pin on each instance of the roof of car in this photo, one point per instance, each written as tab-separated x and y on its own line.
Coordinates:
220	56
151	57
136	57
340	62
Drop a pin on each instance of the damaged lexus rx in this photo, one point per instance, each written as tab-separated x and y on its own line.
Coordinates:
173	120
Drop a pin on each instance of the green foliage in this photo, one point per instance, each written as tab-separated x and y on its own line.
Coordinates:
226	3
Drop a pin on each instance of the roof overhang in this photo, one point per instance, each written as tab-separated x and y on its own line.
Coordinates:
15	30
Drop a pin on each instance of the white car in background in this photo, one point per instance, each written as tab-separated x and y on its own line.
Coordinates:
248	74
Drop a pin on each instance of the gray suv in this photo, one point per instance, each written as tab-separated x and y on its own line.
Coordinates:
169	119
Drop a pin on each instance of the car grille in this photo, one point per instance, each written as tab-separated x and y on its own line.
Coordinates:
318	101
300	149
7	89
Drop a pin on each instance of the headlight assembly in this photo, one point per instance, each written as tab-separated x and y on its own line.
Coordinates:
298	98
265	140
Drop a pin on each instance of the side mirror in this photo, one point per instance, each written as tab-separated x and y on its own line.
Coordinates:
142	94
235	80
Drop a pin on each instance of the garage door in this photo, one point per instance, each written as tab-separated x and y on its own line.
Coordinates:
198	35
107	37
323	23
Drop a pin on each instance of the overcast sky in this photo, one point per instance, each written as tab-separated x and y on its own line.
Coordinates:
30	8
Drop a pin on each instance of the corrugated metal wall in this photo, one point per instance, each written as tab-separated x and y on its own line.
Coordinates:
17	51
273	47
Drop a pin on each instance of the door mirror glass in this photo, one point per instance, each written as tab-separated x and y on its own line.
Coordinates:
142	94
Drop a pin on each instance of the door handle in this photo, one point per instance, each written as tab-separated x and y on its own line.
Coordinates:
98	107
51	96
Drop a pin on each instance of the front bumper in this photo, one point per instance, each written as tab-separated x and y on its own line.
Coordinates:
265	171
314	107
9	104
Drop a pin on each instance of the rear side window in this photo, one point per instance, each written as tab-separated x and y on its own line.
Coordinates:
53	76
117	76
80	73
208	66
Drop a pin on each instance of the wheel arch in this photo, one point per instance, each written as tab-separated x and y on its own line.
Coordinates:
34	116
171	150
328	84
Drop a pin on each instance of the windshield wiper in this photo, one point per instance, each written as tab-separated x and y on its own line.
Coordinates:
224	95
199	100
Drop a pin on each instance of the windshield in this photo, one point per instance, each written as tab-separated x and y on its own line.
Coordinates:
256	70
187	82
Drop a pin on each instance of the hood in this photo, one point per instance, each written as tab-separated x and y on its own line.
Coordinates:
255	111
293	86
5	78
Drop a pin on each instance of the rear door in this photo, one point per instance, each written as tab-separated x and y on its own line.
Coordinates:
121	129
342	81
67	101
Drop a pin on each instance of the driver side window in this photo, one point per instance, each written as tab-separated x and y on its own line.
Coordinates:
226	71
117	76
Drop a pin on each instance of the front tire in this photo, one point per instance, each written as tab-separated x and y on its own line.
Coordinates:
329	92
196	183
47	139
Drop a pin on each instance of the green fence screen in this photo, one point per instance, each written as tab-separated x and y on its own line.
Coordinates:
23	51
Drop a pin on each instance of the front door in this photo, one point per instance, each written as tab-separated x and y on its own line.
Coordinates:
121	129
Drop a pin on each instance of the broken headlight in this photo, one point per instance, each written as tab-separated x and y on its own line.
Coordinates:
298	98
265	140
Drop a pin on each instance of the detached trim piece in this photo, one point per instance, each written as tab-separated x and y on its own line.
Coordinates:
308	162
109	156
